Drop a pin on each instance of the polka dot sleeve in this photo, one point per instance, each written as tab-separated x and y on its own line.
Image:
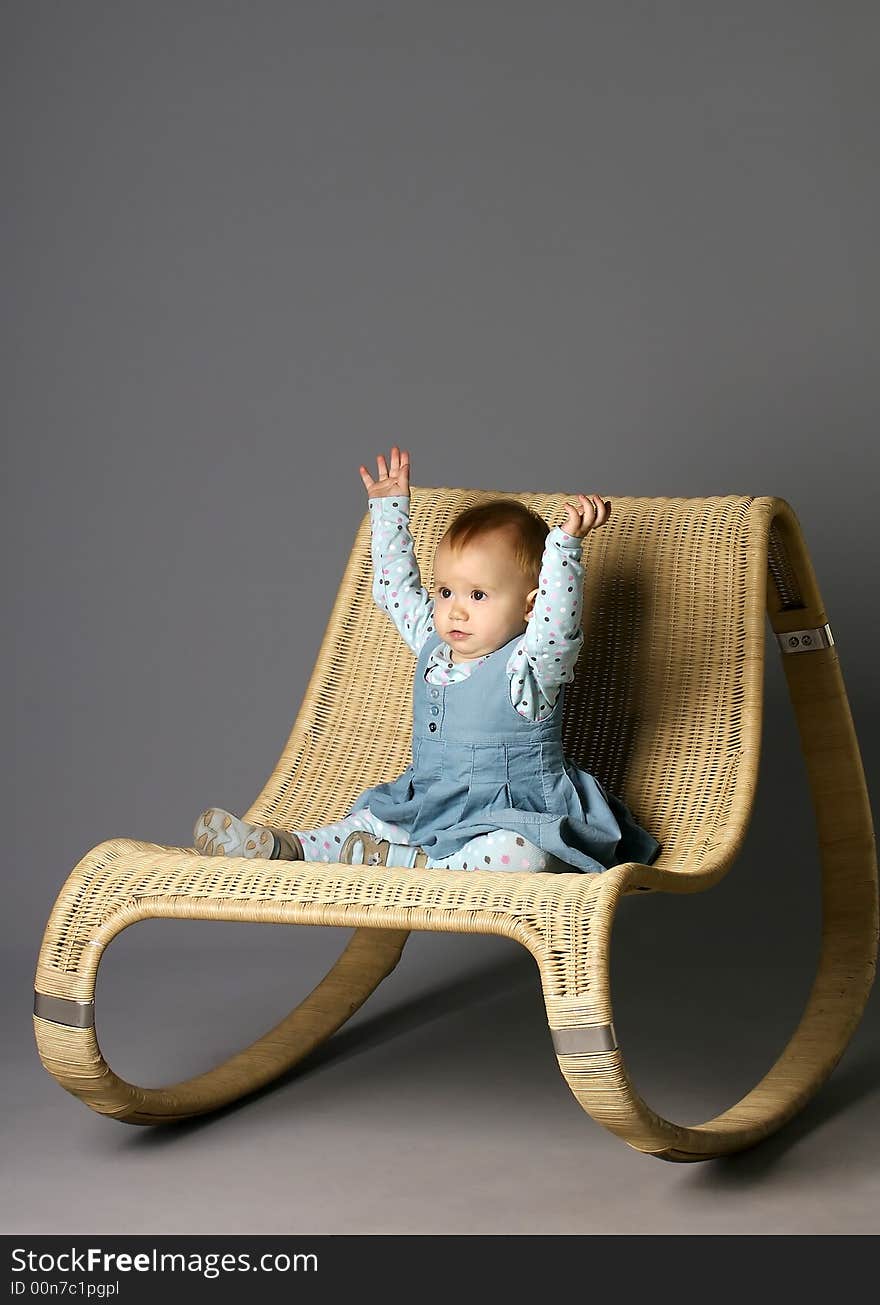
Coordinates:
397	582
544	658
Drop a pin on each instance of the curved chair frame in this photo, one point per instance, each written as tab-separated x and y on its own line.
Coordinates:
721	562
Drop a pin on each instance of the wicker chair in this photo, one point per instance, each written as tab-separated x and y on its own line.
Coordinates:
665	709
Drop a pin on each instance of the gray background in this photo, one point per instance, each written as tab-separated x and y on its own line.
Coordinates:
625	248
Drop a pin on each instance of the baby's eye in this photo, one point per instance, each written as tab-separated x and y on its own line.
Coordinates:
444	590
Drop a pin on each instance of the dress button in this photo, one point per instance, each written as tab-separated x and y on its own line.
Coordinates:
435	693
433	725
435	711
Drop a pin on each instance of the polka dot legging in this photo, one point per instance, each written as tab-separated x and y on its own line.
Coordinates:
501	850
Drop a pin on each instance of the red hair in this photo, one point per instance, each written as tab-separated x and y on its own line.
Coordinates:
526	531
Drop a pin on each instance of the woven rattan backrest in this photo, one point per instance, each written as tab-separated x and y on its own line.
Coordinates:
667	692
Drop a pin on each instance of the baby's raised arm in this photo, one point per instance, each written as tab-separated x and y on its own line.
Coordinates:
545	658
397	583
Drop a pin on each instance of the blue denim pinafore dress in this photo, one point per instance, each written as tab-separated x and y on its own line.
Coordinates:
478	766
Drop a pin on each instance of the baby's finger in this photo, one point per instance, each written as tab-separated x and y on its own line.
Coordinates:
395	459
366	477
600	507
382	467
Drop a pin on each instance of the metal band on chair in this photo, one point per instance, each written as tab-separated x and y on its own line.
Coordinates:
584	1040
64	1010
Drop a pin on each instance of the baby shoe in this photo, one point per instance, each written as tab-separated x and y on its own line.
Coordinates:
361	848
220	833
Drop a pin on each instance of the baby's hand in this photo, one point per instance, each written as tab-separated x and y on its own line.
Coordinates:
395	481
593	511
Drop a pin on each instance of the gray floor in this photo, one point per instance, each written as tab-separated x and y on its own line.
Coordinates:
439	1107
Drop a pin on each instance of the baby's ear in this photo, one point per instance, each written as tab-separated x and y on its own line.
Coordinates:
530	600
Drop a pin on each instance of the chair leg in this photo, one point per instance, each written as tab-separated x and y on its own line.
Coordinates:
591	1060
64	1013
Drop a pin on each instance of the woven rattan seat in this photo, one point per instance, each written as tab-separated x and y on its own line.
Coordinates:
666	709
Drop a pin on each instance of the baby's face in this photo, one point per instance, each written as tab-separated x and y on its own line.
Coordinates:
481	598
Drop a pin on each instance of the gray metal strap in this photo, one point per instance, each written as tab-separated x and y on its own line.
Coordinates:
64	1010
584	1040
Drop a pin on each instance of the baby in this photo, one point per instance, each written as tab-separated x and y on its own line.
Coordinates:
489	786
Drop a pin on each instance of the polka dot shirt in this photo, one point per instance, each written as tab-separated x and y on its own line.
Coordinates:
541	661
